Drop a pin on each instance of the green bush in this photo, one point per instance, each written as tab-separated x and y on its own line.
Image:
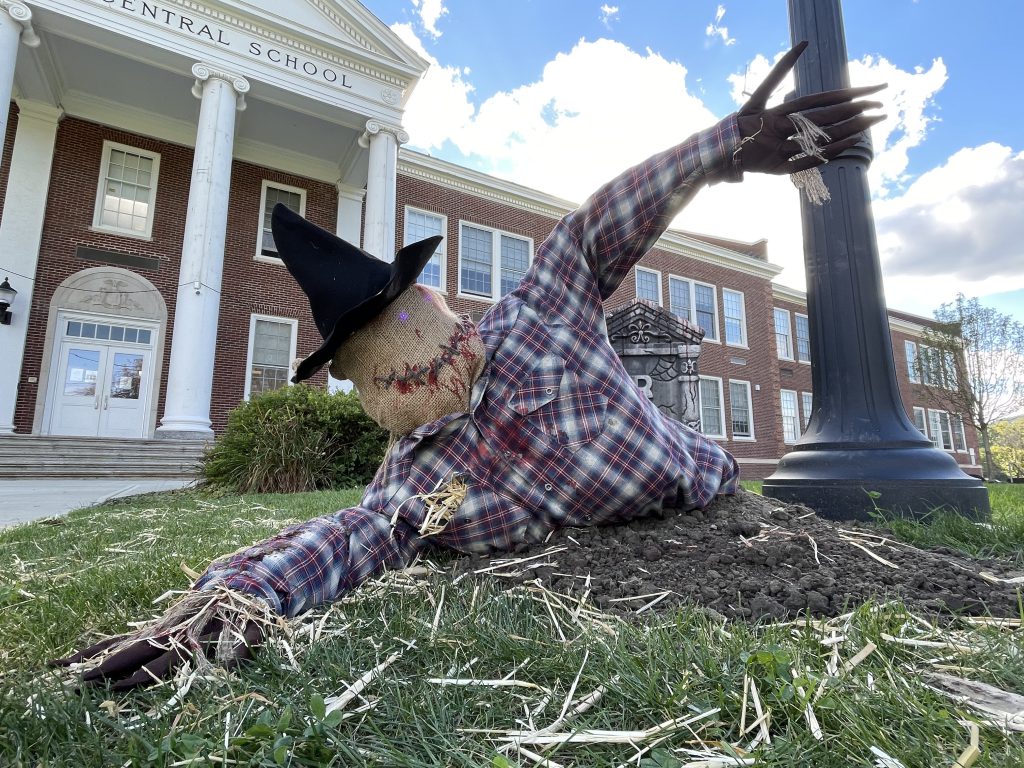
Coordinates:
299	438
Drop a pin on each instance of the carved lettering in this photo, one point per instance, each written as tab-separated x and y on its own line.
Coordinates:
643	383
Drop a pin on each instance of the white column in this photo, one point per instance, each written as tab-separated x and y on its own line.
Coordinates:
193	345
349	224
350	213
379	228
21	231
15	25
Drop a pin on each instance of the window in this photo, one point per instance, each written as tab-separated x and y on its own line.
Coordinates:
803	339
679	297
913	369
783	339
706	310
271	351
941	429
126	194
711	407
740	410
919	420
648	285
695	302
479	275
790	416
272	194
735	318
959	437
806	404
420	225
937	368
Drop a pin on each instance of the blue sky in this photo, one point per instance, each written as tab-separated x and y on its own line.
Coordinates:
560	95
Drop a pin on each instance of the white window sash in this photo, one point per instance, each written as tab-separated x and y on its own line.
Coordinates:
655	275
710	334
496	260
797	317
440	255
262	229
790	416
740	319
783	338
913	373
743	389
716	407
105	179
250	355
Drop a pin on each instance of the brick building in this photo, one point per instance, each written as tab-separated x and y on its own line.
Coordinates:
135	213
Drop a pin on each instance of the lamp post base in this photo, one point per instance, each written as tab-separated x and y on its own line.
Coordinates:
842	484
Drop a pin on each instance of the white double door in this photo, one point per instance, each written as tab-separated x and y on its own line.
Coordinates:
102	385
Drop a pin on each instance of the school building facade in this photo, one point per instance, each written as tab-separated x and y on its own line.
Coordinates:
145	145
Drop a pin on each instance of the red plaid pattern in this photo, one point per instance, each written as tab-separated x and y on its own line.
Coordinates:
557	432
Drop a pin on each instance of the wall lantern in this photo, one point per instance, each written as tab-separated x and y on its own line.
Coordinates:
7	295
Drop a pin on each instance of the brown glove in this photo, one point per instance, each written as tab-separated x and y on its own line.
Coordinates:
768	145
203	627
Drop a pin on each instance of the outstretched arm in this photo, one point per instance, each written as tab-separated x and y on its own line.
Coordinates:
593	248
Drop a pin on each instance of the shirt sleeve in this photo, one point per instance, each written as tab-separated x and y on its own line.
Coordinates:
314	562
592	249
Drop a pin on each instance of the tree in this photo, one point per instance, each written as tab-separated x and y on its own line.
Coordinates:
1008	447
972	365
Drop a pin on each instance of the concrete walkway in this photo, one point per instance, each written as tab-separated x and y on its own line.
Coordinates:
38	497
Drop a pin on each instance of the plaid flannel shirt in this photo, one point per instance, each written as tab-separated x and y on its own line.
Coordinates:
557	434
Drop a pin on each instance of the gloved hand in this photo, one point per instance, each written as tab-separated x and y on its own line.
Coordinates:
195	630
768	144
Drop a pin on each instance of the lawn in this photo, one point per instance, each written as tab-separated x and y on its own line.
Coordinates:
414	670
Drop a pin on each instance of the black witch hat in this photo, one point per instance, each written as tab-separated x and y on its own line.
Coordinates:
346	286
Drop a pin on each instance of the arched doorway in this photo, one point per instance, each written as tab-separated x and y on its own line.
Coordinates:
103	356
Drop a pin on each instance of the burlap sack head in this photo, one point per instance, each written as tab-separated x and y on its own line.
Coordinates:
413	363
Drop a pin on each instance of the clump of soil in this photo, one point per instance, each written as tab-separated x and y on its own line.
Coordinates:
749	557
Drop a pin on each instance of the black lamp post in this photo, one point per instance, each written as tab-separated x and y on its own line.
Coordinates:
860	448
7	294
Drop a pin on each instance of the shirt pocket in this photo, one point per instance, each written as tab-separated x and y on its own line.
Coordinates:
561	404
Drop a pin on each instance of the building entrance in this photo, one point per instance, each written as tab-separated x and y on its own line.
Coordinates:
104	371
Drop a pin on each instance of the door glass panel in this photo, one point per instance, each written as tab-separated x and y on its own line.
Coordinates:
126	376
82	370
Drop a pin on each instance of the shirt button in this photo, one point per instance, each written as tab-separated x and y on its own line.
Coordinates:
549	390
547	486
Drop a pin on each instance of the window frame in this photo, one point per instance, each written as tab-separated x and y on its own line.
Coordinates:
789	334
924	419
939	440
636	282
495	295
260	256
442	248
717	337
721	406
796	338
253	317
750	412
689	297
957	429
913	369
806	408
742	318
97	213
796	415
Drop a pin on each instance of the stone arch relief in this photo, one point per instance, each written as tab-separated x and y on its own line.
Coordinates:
106	291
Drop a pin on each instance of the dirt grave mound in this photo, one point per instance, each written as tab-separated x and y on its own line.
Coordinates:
750	557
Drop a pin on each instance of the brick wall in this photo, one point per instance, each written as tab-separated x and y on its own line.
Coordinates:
247	286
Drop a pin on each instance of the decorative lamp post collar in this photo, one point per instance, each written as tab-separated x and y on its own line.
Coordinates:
7	294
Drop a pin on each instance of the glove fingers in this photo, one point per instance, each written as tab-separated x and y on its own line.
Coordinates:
838	113
851	127
86	653
158	669
826	99
761	95
830	152
123	662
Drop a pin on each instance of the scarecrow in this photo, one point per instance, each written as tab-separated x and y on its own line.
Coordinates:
504	430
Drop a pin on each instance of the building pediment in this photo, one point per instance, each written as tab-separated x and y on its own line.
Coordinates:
333	52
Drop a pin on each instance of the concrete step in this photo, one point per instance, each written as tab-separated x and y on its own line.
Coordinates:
26	456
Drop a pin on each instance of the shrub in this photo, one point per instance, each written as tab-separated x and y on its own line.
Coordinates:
299	438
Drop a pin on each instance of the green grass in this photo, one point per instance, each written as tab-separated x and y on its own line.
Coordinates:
63	584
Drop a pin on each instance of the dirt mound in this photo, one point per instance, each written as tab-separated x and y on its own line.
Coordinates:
750	557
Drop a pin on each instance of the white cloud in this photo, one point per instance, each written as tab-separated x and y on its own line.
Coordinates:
608	14
717	29
601	107
430	13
